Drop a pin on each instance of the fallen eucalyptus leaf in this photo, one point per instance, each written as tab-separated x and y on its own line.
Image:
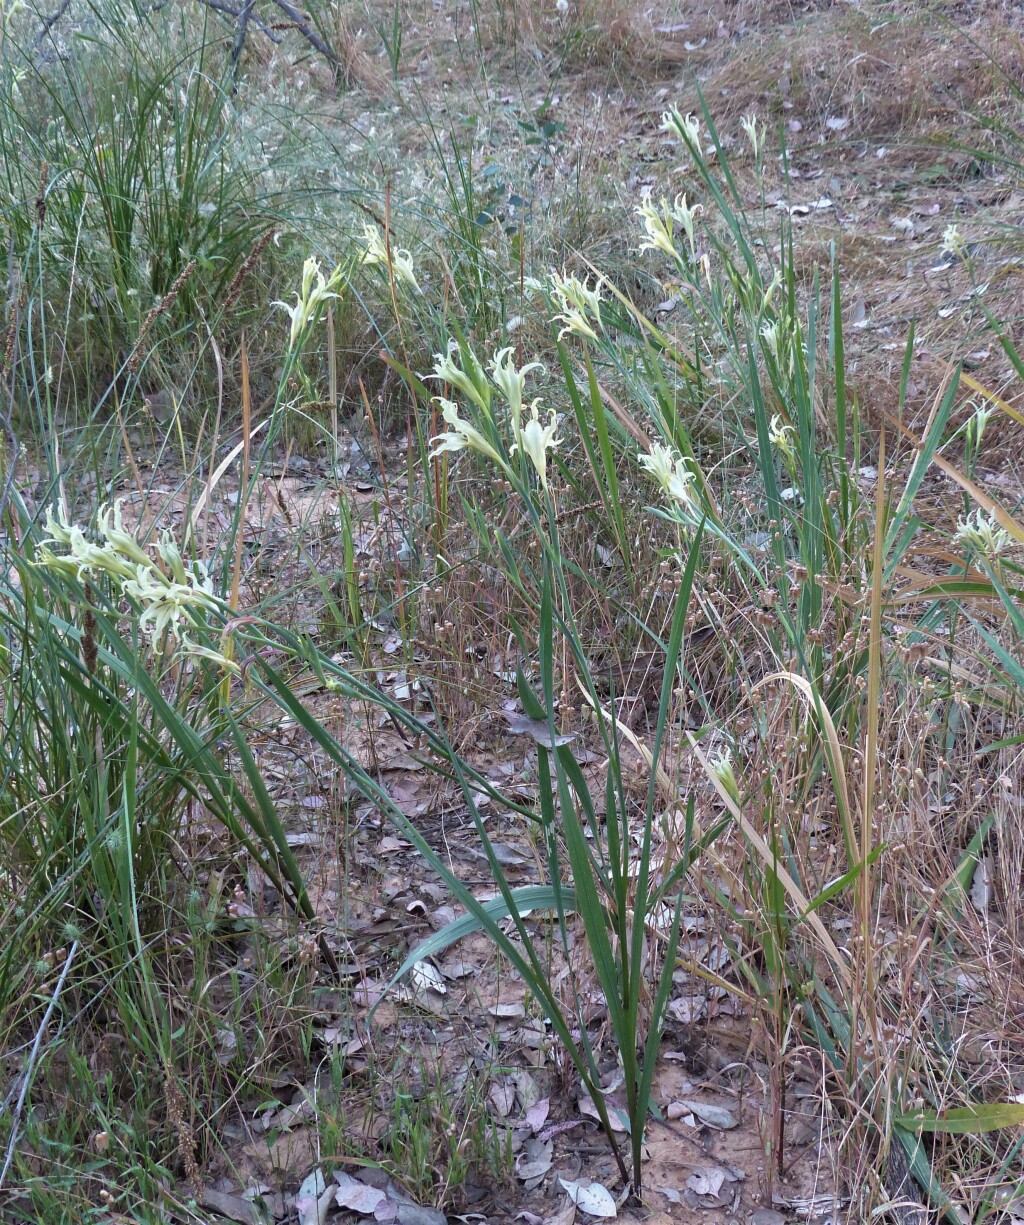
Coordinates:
356	1195
713	1116
231	1206
706	1181
593	1198
520	725
588	1109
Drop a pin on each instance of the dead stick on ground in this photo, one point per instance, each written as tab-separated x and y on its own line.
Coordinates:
243	25
314	40
51	21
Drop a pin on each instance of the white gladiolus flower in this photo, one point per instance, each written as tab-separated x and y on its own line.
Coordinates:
215	657
770	334
375	252
571	291
462	436
512	383
576	322
659	228
83	556
685	215
167	604
982	532
953	242
314	292
472	382
770	290
660	224
756	137
660	463
576	302
671	474
109	524
722	768
686	128
781	437
538	439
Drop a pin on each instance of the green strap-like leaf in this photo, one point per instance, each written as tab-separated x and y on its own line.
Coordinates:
965	1120
527	898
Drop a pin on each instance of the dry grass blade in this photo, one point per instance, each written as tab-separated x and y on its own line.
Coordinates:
243	491
218	473
1002	516
770	860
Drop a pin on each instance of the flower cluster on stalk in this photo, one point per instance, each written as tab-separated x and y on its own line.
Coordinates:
316	289
660	223
171	601
577	303
533	437
983	533
670	473
376	252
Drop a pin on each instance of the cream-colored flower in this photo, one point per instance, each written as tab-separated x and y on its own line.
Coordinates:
538	439
660	224
83	557
781	437
771	334
170	555
685	215
315	291
571	291
660	464
659	228
375	252
215	657
982	532
953	242
671	475
686	128
749	124
577	303
462	436
512	384
574	322
770	290
165	604
975	428
111	526
472	382
722	768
